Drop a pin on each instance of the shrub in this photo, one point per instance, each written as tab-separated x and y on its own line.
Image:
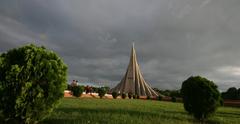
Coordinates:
94	89
159	98
138	97
107	89
200	97
148	97
69	87
77	90
130	95
231	93
114	95
221	102
101	92
124	95
32	81
134	96
173	99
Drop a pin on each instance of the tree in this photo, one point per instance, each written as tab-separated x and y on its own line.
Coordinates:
170	93
123	95
231	93
130	94
238	93
32	81
200	97
114	95
159	98
175	93
134	96
77	90
148	97
102	91
173	99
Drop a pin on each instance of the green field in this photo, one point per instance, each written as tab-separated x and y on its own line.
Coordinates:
119	111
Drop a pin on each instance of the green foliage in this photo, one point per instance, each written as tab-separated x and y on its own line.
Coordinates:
69	87
114	95
159	97
130	95
221	102
175	93
138	97
77	90
123	95
173	99
94	89
134	96
102	91
107	89
148	97
200	97
170	93
231	93
32	81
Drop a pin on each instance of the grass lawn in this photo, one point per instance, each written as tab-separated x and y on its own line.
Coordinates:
119	111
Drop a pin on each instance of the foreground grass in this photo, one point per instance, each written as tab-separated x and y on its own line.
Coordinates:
118	111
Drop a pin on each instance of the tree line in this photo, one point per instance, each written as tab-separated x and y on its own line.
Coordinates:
232	93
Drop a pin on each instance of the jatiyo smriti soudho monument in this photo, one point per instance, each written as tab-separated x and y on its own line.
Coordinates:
133	81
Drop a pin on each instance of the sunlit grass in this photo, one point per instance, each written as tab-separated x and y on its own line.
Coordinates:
119	111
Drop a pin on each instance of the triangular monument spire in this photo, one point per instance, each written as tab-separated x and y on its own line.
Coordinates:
133	81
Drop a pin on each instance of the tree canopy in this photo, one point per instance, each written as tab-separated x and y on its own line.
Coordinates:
231	93
32	81
200	96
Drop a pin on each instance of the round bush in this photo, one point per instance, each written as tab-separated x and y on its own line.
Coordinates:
200	97
148	97
101	92
134	96
32	82
130	95
77	90
124	95
138	97
159	98
173	99
114	95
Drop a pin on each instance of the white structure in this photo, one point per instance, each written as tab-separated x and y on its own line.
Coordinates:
133	81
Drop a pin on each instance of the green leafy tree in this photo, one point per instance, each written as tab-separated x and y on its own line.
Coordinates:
69	87
238	93
114	95
102	91
173	99
77	90
134	96
123	95
175	93
148	97
159	97
170	93
231	93
130	95
138	97
32	81
200	97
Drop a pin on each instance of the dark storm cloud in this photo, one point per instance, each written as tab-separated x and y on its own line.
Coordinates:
174	38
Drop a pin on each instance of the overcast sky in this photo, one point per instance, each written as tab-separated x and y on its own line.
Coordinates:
174	39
